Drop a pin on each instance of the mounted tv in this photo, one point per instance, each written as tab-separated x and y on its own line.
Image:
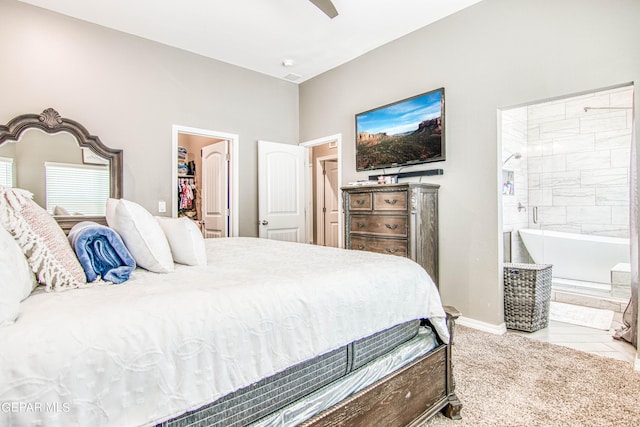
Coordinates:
403	133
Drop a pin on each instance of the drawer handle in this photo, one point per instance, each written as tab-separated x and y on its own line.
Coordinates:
360	202
361	225
391	226
391	250
391	202
360	246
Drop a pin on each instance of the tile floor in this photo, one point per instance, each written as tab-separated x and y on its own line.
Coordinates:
586	339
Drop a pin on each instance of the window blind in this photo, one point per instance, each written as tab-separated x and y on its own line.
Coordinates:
79	189
6	171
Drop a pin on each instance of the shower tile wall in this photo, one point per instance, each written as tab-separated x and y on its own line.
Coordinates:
577	163
573	166
515	206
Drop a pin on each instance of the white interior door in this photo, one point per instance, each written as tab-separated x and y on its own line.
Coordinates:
215	182
330	211
281	191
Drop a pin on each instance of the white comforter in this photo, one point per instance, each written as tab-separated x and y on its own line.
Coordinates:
157	345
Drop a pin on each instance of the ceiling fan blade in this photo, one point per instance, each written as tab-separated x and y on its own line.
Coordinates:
327	7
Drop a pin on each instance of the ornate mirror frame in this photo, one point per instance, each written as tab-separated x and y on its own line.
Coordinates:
50	121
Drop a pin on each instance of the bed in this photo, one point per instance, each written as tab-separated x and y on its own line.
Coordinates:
146	351
266	333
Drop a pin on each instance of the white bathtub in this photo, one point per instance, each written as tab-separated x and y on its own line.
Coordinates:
576	256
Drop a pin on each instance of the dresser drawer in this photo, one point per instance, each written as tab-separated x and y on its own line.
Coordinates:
390	201
380	224
359	201
384	246
400	219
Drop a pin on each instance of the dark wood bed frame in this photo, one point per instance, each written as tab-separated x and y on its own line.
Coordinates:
407	397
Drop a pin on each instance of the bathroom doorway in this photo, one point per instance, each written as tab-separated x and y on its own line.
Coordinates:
565	193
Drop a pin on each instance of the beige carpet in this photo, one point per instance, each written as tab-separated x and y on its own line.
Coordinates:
511	380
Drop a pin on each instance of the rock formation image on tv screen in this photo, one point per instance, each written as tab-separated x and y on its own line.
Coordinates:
402	133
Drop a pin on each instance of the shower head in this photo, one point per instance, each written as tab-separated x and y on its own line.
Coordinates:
606	108
514	155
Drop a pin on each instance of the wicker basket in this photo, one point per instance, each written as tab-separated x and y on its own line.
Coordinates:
527	293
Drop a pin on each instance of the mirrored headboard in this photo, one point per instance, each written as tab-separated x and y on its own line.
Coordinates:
90	150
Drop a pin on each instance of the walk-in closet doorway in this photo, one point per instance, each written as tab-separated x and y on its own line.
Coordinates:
205	174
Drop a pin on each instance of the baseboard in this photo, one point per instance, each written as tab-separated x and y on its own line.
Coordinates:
482	326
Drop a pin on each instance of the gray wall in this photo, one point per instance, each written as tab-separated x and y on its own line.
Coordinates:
495	54
130	91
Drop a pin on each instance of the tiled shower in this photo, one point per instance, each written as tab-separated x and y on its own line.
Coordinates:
566	166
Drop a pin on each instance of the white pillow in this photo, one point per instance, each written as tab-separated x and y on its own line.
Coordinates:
185	240
59	210
141	234
16	281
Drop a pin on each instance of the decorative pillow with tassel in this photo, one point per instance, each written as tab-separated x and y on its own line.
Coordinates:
42	240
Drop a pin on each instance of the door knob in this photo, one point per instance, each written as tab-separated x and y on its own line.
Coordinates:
264	222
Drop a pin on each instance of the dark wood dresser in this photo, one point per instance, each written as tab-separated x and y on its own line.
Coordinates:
397	219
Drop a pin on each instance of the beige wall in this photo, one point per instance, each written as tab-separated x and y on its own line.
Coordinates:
495	54
130	91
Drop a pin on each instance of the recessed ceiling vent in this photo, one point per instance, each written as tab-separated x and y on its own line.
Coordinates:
292	77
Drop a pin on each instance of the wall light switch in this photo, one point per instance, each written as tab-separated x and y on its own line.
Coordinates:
162	206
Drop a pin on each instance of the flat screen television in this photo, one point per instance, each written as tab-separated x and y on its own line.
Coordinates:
406	132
